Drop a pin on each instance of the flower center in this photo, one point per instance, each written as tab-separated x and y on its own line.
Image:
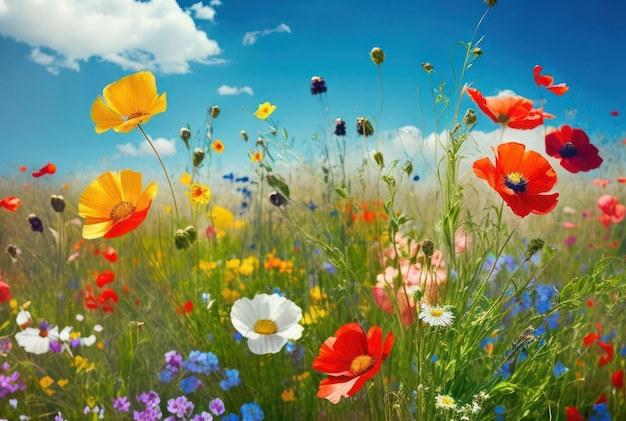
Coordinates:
265	327
503	119
137	114
436	312
361	364
122	211
568	150
515	181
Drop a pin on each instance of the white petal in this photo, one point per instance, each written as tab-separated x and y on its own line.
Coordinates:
266	344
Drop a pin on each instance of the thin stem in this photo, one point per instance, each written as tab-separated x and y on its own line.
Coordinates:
164	170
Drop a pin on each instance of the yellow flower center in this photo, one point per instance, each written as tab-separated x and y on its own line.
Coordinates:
436	312
265	327
122	211
361	364
515	181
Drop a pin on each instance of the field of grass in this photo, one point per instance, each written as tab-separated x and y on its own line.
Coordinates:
478	295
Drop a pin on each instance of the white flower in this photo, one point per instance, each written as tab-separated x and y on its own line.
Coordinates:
37	340
436	316
268	321
445	402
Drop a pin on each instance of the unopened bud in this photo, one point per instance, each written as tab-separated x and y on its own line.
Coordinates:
470	117
377	55
198	157
35	223
12	251
58	203
215	111
491	3
428	247
244	135
184	238
185	135
379	159
277	199
477	51
364	127
428	67
535	245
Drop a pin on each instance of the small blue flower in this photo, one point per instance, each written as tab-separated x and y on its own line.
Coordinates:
231	417
232	379
500	410
602	413
252	412
559	369
329	268
190	384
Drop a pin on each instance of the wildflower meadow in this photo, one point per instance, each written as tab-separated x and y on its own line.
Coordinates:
340	285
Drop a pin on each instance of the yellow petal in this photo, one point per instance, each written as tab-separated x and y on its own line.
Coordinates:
104	117
91	231
99	197
130	183
131	95
146	198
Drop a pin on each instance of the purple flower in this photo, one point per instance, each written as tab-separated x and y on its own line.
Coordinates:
56	346
217	406
181	407
205	416
121	404
174	361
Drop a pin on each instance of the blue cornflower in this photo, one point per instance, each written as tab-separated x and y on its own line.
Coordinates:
165	376
201	362
190	384
510	263
231	417
522	303
544	297
602	413
434	358
232	379
559	369
500	410
252	412
329	268
553	320
277	291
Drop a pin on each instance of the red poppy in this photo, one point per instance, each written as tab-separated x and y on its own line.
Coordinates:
607	355
614	113
49	168
513	111
617	379
110	254
5	292
10	203
104	278
572	146
187	308
572	414
106	299
519	177
350	358
548	82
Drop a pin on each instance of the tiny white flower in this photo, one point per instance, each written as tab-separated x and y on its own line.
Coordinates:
445	402
98	328
267	321
435	315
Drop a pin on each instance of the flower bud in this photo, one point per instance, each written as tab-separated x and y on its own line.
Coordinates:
364	127
428	67
379	159
318	85
491	3
12	251
340	127
198	157
377	55
184	238
470	117
477	51
215	111
35	223
185	135
244	135
58	203
277	199
534	246
428	247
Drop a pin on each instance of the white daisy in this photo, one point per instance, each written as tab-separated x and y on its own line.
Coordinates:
268	321
445	402
37	340
435	315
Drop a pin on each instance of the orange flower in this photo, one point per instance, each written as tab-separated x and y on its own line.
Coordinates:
519	177
10	203
49	168
513	111
350	358
130	101
218	146
548	82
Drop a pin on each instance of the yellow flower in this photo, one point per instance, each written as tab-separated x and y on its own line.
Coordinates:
199	193
63	382
316	294
185	179
45	382
264	110
288	395
218	146
257	157
130	101
222	217
113	204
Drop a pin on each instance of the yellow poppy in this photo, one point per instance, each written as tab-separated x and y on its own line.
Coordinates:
130	101
199	193
113	204
264	110
256	157
218	146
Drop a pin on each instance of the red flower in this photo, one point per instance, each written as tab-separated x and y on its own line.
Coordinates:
612	210
513	111
519	177
572	146
608	353
617	379
350	358
614	113
49	168
548	82
5	292
104	278
105	300
110	254
572	414
10	203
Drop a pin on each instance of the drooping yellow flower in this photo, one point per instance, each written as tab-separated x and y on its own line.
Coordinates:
218	146
130	101
113	204
264	110
199	193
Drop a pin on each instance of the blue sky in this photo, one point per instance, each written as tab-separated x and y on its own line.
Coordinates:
237	54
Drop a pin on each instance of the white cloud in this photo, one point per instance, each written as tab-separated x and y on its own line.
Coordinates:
215	3
165	147
252	37
234	90
202	12
155	35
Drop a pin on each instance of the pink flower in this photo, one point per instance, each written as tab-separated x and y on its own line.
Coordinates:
612	211
570	240
462	241
568	225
